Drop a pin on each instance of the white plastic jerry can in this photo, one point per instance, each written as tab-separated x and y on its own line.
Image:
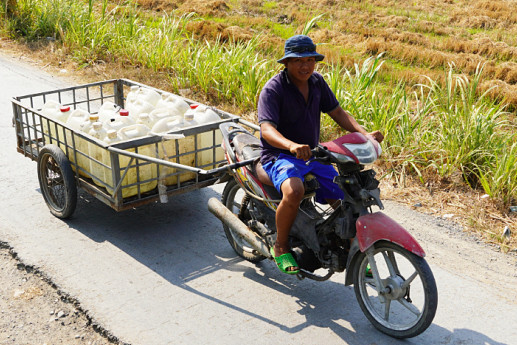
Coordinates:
167	124
203	114
148	95
141	100
175	104
119	120
95	151
55	112
138	107
209	142
174	150
78	120
111	138
161	113
145	120
133	131
108	110
146	174
132	94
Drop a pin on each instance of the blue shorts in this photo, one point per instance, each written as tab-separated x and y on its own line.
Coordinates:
286	166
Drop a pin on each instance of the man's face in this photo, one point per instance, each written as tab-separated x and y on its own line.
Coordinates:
300	69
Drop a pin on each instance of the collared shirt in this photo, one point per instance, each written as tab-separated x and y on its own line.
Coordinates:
282	104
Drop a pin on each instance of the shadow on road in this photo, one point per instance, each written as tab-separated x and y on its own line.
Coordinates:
181	241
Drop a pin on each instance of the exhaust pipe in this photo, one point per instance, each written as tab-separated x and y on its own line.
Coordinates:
237	226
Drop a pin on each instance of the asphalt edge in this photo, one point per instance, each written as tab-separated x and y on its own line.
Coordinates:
63	295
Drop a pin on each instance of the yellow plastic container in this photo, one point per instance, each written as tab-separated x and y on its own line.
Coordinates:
146	171
168	150
79	121
55	111
204	115
96	154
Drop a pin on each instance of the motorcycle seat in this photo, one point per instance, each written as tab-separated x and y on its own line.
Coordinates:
248	146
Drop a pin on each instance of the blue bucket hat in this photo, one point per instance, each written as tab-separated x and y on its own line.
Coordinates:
300	46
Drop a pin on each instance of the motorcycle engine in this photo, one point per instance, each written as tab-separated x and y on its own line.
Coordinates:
306	258
344	226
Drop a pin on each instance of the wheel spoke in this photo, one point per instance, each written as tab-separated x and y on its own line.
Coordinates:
370	282
387	309
391	255
409	280
387	301
390	263
409	306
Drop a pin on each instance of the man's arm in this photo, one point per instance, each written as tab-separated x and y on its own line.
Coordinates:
276	139
348	123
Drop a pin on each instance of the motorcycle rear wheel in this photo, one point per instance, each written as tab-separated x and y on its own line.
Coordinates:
410	294
234	198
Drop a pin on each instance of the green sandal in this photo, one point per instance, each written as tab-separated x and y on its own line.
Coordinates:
368	272
285	261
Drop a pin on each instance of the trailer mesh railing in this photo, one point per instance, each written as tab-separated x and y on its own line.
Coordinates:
147	167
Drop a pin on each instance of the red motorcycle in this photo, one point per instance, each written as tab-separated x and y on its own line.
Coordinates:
392	281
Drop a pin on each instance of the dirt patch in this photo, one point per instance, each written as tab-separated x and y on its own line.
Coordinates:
474	211
33	311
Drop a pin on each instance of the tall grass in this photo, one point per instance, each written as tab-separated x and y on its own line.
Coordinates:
34	18
440	130
431	129
92	31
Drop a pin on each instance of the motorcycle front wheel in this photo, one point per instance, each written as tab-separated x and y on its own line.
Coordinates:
236	200
405	304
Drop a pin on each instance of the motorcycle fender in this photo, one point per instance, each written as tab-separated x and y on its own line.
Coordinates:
377	226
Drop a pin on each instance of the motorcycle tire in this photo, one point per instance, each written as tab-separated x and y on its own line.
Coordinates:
234	198
410	294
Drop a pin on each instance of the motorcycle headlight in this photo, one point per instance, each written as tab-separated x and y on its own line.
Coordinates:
365	152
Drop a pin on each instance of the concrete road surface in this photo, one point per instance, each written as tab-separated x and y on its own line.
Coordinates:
165	274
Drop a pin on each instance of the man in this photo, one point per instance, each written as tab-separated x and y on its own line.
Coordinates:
289	109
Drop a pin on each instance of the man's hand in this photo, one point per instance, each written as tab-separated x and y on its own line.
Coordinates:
301	151
377	136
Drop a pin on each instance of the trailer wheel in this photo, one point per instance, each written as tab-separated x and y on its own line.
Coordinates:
57	181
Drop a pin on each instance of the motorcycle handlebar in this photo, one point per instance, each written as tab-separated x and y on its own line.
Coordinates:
320	154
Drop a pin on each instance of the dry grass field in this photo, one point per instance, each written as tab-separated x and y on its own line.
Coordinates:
417	37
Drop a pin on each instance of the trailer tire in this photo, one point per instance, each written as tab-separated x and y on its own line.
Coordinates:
57	181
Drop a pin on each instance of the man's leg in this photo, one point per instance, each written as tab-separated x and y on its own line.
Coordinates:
292	191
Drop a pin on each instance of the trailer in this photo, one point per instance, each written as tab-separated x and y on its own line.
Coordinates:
125	174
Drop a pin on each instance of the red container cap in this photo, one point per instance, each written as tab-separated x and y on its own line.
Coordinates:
124	112
194	106
64	109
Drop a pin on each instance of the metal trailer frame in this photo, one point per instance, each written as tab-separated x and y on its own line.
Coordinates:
34	130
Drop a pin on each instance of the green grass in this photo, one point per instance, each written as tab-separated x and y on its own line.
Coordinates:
283	31
269	5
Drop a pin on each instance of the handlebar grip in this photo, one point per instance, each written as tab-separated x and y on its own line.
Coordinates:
319	151
320	154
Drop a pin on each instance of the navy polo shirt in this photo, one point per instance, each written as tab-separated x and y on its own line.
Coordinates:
283	105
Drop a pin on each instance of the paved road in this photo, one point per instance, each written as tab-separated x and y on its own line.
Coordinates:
164	273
